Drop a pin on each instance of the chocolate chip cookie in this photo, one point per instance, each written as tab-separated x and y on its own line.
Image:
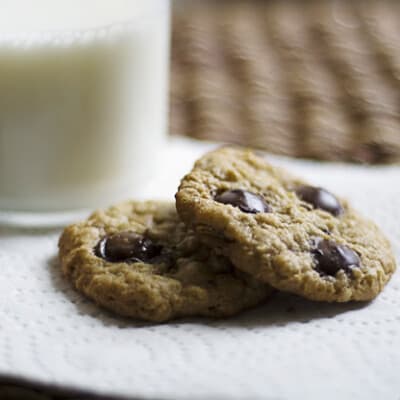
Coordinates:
139	260
283	231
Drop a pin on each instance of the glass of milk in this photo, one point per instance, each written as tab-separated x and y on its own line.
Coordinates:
83	104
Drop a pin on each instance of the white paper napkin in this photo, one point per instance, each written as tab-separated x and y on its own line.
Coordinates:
288	349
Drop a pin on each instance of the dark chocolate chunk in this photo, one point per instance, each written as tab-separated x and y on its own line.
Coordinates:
320	198
246	201
331	257
127	247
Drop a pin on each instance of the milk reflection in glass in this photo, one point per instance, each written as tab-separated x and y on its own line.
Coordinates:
83	98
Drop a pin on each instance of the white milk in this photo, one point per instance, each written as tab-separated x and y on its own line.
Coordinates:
83	100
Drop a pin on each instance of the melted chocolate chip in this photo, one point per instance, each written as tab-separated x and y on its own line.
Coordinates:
331	257
127	247
246	201
320	198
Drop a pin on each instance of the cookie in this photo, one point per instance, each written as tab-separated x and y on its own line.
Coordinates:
282	231
138	260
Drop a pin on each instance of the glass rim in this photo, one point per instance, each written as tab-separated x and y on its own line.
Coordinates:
61	36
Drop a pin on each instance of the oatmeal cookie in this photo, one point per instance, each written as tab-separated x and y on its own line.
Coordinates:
139	260
283	231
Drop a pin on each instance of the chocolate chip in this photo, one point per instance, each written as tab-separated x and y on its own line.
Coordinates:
331	257
246	201
127	247
320	198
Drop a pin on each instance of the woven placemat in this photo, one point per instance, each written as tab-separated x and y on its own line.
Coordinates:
20	389
314	79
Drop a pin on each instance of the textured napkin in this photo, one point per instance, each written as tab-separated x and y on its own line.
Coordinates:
287	349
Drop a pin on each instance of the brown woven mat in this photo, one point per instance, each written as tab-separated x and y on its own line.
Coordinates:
316	79
20	389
